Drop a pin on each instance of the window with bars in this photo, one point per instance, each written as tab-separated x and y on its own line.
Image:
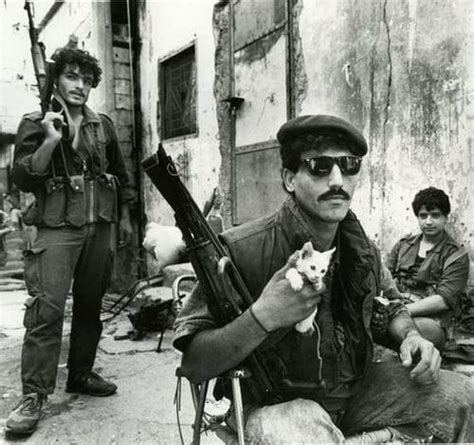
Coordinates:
178	94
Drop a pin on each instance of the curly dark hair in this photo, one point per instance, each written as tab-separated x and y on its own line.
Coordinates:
76	57
432	198
290	152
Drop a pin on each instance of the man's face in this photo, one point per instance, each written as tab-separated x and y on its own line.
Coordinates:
74	86
326	198
432	222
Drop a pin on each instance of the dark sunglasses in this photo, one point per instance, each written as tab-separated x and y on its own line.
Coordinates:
322	165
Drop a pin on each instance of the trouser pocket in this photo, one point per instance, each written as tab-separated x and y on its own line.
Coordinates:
33	266
34	286
30	319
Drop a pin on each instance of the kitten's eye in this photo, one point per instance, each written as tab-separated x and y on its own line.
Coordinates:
313	267
323	270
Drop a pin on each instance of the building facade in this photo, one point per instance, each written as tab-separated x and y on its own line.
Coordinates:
401	71
213	80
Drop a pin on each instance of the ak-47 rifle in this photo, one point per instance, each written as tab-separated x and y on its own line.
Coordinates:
43	69
44	74
220	280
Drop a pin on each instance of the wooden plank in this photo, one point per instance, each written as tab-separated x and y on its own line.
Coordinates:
259	146
123	86
122	71
123	102
124	133
121	55
123	117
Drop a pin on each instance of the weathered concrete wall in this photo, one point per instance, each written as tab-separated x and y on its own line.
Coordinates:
165	28
90	22
402	71
17	94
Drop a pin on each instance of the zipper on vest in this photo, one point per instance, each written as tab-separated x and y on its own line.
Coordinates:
318	348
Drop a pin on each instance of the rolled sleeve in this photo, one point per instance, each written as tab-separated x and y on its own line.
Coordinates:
392	259
387	284
29	137
193	318
454	278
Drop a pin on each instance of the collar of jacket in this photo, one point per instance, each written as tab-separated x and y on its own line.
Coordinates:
445	239
353	246
90	116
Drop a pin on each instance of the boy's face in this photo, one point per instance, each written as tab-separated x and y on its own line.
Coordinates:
75	85
432	222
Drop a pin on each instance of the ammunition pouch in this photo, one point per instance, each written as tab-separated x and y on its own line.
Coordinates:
74	201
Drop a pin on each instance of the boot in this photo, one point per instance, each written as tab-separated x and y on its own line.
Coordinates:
89	383
24	418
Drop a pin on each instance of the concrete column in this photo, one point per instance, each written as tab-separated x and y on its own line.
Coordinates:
102	28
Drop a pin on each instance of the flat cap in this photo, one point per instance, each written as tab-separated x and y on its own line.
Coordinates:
321	124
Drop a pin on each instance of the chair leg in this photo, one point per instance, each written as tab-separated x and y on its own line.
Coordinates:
199	413
239	409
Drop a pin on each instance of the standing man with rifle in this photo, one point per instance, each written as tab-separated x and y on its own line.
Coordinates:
325	386
70	159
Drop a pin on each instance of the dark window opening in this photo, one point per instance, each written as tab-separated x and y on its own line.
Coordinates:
178	94
118	10
120	25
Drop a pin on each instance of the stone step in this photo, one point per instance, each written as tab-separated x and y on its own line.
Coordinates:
11	273
14	255
14	241
13	265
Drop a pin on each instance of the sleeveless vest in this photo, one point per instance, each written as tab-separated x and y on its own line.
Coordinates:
291	358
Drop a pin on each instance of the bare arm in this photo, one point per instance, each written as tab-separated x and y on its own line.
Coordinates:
427	306
214	351
400	326
415	352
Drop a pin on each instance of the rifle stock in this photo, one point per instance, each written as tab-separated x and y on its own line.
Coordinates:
221	282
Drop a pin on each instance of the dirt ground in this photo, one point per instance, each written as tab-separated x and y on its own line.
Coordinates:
142	411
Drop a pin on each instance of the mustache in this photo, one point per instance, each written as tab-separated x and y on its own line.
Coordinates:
334	192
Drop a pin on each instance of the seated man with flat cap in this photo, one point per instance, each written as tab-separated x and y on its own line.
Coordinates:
327	386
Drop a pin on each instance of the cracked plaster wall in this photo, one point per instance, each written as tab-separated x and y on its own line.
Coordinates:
402	71
164	29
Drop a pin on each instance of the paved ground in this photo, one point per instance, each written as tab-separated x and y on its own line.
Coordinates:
142	412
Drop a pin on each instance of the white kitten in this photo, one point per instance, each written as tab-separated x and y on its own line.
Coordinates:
312	266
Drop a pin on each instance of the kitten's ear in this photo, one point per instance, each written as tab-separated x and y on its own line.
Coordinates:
307	250
330	252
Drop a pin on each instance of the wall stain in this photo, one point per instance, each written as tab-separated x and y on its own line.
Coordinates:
258	49
299	86
220	21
